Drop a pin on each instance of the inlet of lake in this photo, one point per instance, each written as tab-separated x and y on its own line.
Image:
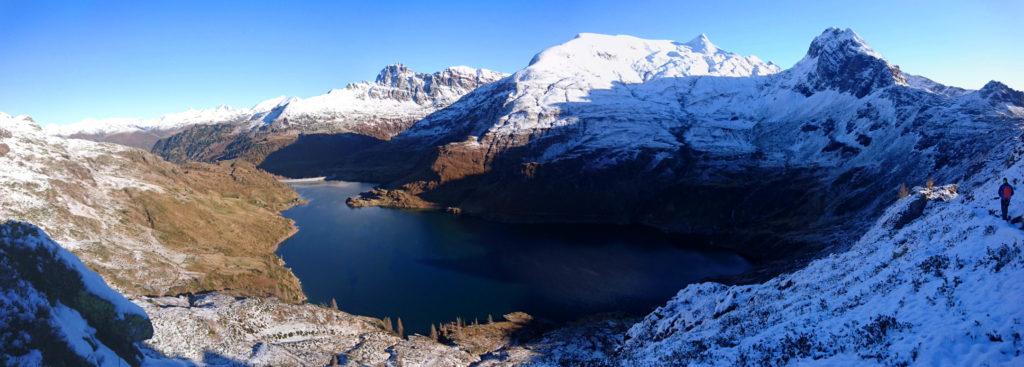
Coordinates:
431	267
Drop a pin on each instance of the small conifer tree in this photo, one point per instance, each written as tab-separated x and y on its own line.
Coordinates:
490	320
334	304
387	324
401	328
433	332
930	184
904	192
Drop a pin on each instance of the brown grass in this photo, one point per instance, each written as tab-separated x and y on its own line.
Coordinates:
227	216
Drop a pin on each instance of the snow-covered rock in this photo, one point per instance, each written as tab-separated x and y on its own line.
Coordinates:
55	311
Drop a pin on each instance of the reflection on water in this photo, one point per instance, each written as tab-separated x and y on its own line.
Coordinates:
429	267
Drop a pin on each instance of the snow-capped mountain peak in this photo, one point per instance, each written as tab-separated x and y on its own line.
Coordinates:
840	60
394	75
599	60
702	44
835	42
615	68
1001	93
19	122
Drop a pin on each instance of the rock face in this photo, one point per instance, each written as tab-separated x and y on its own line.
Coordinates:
148	226
840	60
377	110
56	312
620	129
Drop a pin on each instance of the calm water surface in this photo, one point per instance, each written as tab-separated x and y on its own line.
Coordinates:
429	267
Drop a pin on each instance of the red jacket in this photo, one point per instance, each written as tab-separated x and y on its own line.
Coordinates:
1005	191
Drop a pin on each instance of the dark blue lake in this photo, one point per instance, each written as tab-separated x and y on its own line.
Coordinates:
430	267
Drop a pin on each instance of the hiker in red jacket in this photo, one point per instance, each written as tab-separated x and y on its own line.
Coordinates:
1005	193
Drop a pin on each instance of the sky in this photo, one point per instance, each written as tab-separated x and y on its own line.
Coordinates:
63	62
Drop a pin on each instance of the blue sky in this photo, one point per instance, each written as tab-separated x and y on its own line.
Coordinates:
65	61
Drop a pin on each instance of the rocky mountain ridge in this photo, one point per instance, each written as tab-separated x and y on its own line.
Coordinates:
373	110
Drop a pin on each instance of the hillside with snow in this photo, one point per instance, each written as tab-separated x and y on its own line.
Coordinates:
55	311
143	223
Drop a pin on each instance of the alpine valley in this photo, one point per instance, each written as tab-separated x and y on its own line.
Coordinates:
152	242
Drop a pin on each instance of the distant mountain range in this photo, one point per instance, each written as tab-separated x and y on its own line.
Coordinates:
397	98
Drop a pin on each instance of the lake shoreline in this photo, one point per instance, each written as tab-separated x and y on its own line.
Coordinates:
415	264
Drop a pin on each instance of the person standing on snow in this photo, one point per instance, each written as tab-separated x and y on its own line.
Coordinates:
1005	193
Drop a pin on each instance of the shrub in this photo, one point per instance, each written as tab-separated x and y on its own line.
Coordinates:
935	265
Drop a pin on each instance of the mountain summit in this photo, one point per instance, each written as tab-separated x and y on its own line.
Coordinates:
702	44
839	59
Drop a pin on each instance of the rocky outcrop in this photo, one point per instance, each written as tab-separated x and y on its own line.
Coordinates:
840	60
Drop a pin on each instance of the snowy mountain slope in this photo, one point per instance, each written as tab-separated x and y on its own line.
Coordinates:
55	311
568	73
596	129
935	291
379	109
932	283
140	221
